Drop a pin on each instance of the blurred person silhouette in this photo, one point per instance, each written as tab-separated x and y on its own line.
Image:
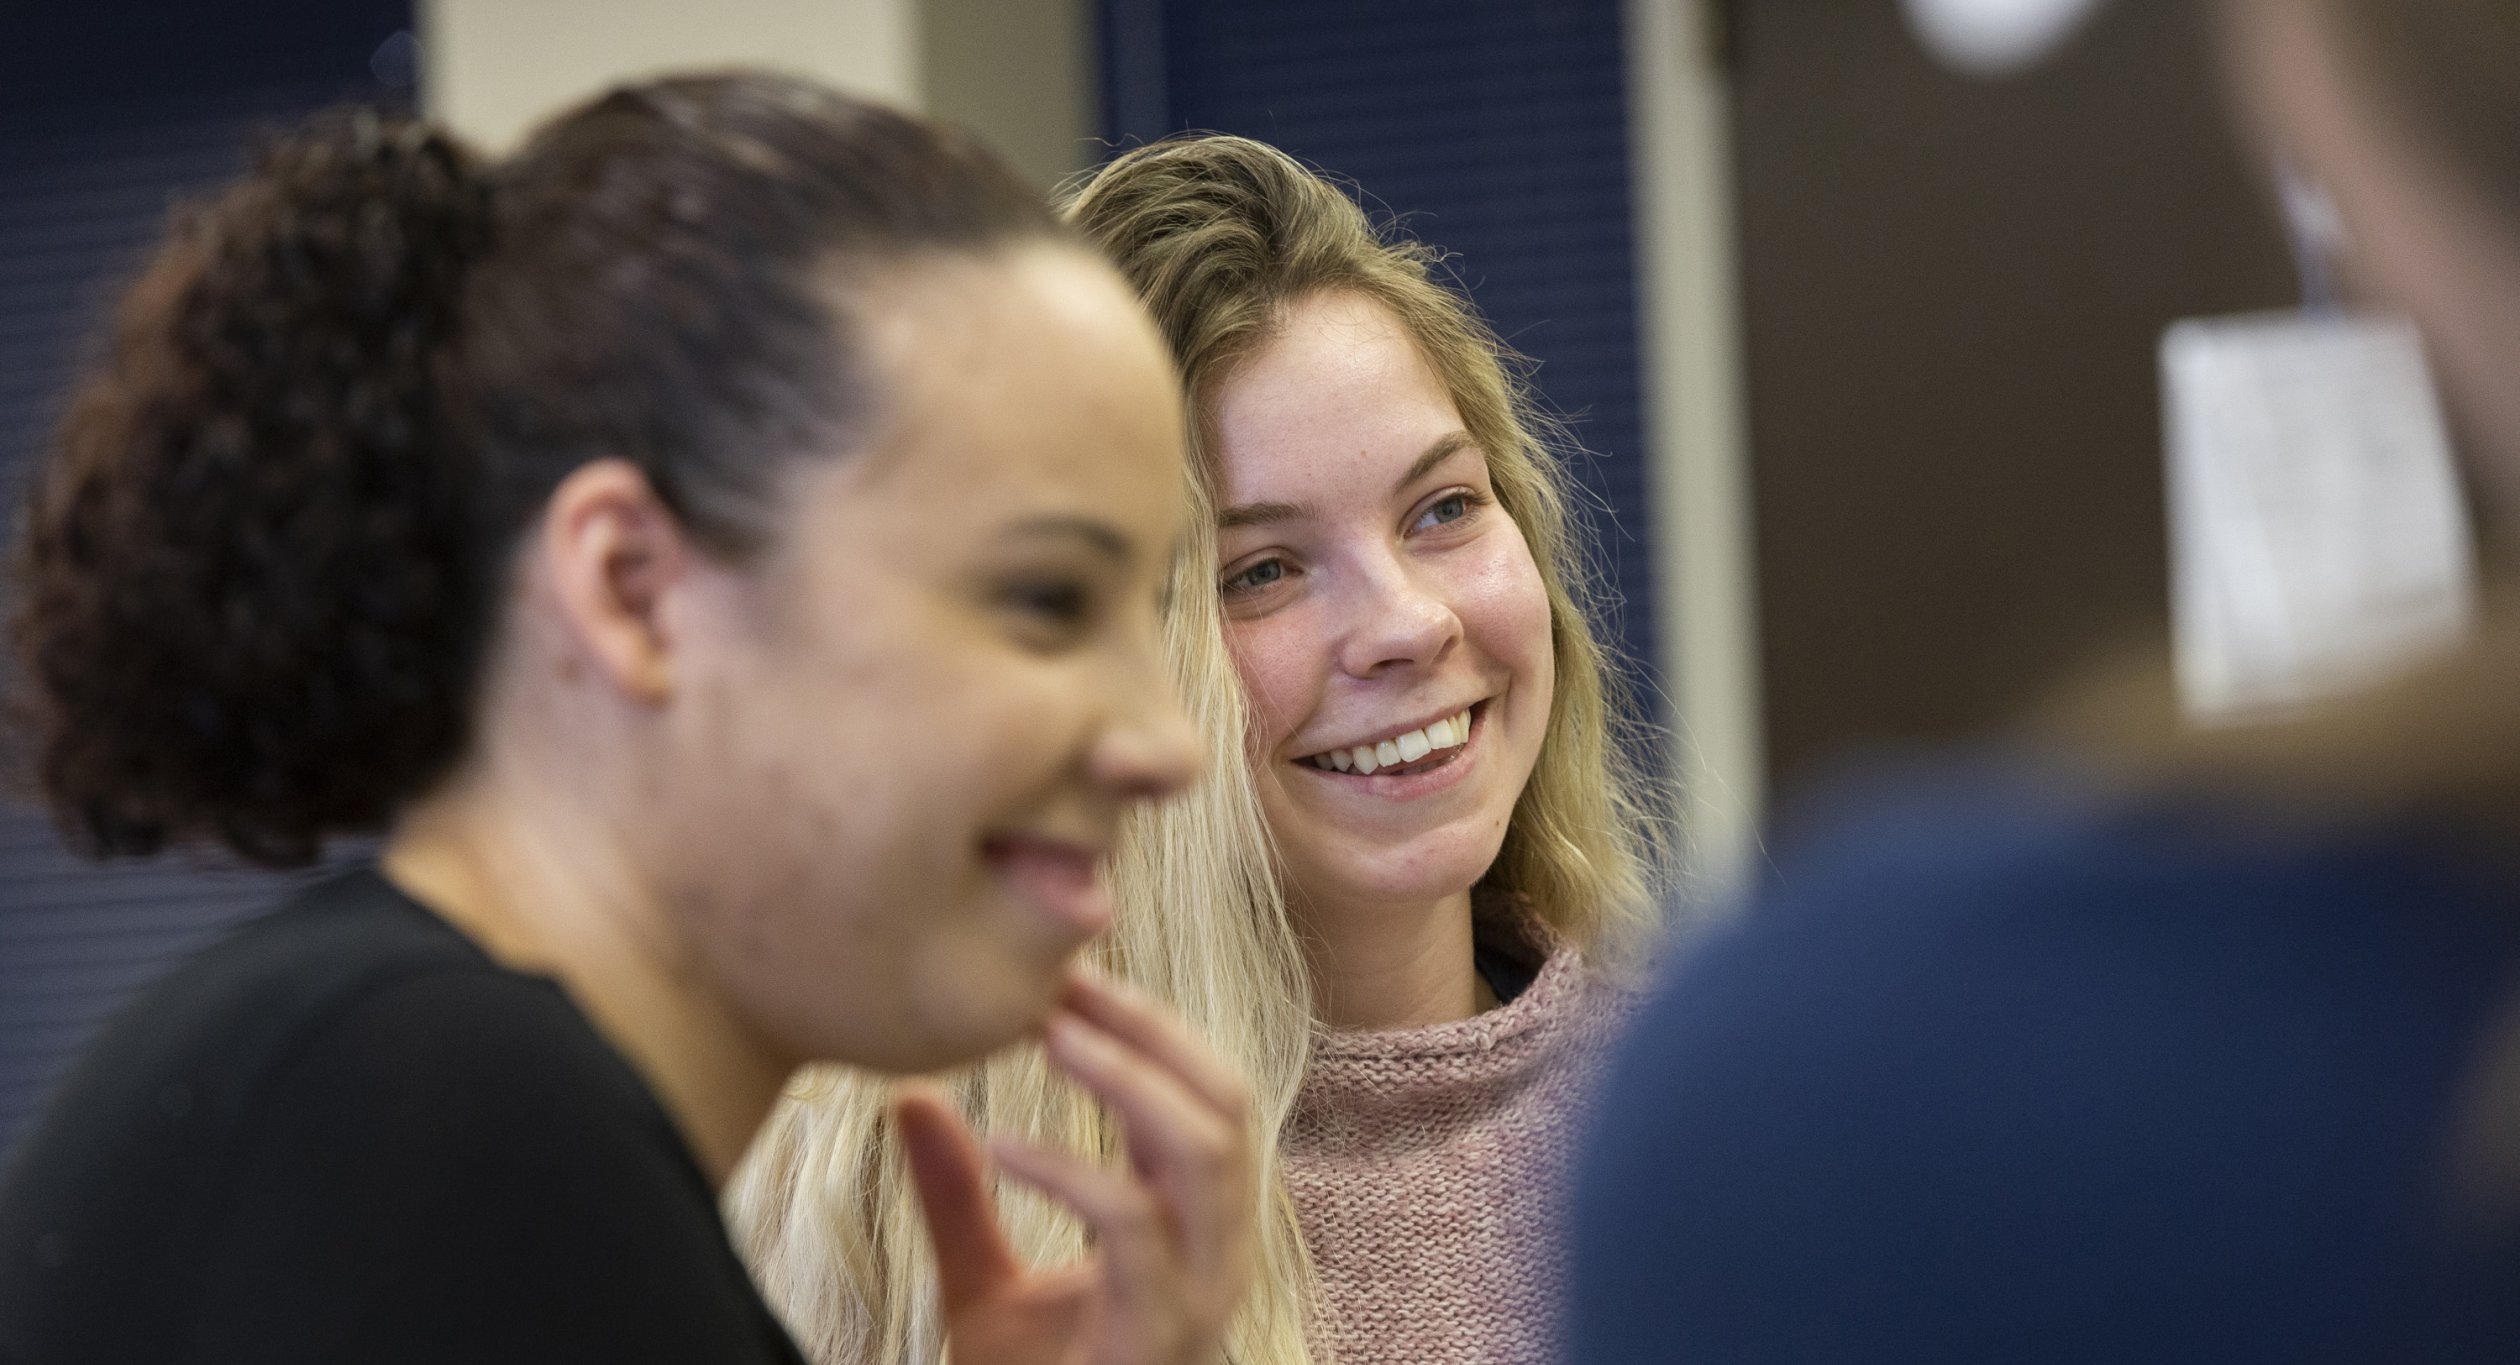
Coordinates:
2135	1041
718	548
1406	895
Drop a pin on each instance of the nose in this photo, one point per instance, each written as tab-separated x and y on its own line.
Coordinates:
1149	748
1397	621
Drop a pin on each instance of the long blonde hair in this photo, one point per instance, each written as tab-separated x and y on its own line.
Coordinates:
1220	235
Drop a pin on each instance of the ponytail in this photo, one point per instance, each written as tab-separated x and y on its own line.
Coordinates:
243	605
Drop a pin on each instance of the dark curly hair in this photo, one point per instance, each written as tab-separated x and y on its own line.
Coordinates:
260	568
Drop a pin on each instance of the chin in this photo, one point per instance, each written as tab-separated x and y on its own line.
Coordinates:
944	1050
1434	873
988	1015
928	1028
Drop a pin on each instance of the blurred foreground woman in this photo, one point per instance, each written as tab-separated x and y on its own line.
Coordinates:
2144	1044
718	548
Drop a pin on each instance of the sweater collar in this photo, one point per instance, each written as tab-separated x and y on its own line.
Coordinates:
1503	922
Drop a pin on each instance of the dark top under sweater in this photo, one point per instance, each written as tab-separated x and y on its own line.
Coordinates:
345	1133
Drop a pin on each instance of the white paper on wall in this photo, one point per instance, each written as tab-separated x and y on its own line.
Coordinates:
2317	535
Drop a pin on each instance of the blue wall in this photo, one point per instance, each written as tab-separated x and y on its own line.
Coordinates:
1496	129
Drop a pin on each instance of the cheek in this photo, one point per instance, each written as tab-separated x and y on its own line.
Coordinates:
1282	663
845	903
1504	608
831	795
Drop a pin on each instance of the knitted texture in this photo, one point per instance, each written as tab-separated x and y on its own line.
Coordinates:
1429	1167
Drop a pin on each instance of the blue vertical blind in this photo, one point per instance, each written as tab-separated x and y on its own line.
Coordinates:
109	114
1494	129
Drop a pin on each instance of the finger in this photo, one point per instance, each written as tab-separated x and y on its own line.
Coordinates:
1138	1264
1156	1031
1037	1322
1198	1160
973	1260
1169	1124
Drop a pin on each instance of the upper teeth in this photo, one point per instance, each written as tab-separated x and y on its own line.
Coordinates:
1450	732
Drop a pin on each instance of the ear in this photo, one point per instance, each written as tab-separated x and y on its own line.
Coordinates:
612	550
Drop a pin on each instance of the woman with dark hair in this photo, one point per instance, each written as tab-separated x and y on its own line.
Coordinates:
718	548
2143	1042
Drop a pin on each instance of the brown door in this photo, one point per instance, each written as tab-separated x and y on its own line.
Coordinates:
1952	293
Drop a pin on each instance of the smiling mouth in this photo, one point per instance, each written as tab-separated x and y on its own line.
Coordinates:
1428	747
1055	875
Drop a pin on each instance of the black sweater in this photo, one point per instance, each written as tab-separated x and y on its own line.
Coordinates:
345	1133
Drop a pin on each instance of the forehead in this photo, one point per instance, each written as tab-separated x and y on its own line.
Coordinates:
1340	390
1018	378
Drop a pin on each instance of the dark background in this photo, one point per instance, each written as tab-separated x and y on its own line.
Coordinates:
1953	289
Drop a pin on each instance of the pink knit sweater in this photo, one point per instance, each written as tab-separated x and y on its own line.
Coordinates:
1428	1168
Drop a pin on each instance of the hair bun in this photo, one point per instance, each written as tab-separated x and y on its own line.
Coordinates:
250	495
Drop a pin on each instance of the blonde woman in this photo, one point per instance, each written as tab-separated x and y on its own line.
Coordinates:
1402	897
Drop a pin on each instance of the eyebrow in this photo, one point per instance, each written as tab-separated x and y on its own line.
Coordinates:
1099	536
1267	513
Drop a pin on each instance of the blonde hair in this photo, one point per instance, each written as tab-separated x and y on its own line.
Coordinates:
1220	236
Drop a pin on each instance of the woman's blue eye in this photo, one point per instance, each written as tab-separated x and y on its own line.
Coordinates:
1259	575
1450	508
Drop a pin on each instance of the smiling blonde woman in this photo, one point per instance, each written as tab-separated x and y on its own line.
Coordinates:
1403	896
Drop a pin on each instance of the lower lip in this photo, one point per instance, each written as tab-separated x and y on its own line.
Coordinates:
1409	786
1057	878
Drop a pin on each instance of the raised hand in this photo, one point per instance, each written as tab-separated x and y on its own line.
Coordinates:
1171	1235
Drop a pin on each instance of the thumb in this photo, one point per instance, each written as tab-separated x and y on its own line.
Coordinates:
973	1260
